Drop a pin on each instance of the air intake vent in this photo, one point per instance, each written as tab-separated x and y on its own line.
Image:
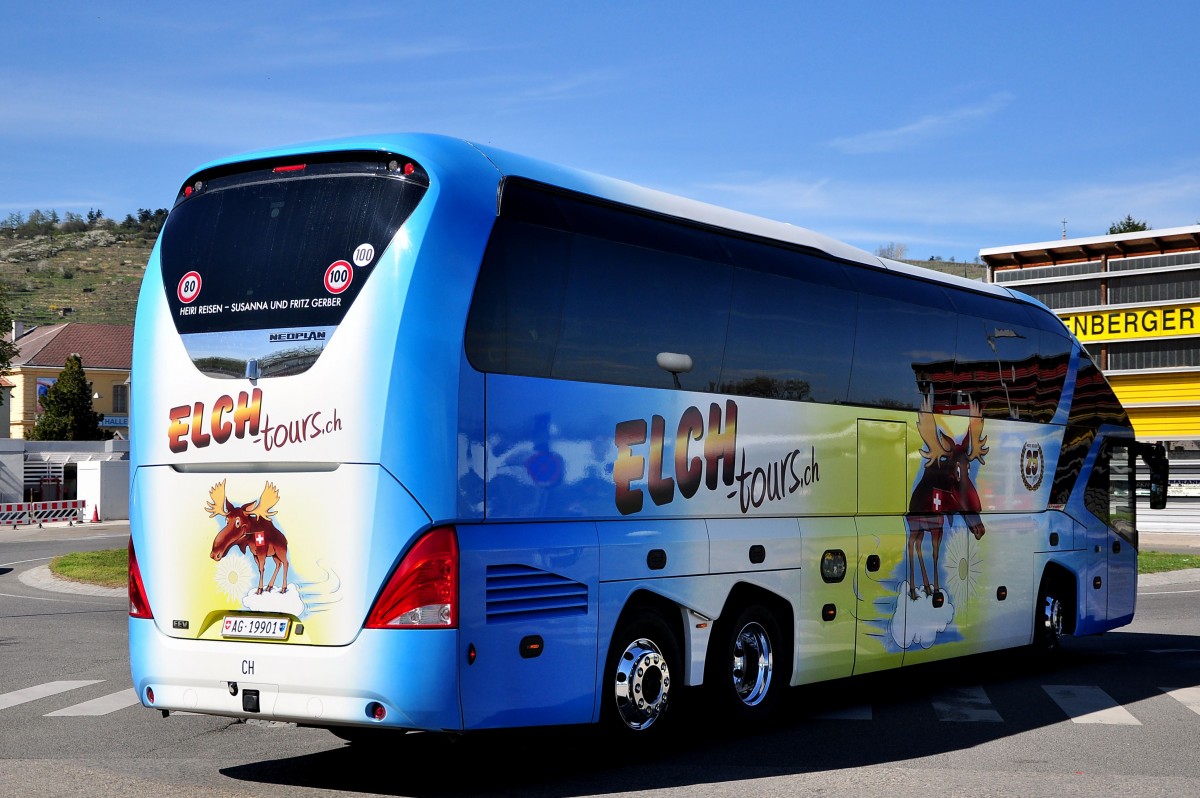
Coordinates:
518	591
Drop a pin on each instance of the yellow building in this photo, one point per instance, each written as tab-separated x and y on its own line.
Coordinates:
106	351
1133	299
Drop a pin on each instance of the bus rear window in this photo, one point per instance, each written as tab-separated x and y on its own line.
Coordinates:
262	264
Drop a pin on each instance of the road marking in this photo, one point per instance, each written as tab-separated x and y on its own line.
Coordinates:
100	706
46	598
1188	696
1085	704
1166	592
41	691
965	704
22	562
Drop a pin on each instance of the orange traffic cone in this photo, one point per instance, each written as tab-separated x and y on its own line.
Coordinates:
95	514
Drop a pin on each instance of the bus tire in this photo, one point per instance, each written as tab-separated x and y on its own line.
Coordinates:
750	666
1049	624
642	660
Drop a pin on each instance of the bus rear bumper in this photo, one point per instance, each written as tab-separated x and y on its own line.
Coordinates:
411	673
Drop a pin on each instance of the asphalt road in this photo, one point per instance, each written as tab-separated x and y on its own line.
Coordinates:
1118	714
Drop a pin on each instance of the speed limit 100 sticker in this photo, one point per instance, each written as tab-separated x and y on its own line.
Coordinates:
189	287
363	255
338	277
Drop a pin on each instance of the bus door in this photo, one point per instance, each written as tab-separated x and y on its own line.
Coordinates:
882	542
826	627
1122	535
1095	583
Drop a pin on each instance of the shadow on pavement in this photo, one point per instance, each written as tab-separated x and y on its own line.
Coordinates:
560	762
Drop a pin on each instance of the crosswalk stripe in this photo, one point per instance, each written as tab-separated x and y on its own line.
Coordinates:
1188	696
1085	704
965	704
41	691
99	706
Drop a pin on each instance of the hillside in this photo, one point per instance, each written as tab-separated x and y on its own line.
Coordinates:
90	277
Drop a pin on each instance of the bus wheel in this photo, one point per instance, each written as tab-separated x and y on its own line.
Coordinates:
638	673
748	671
1048	631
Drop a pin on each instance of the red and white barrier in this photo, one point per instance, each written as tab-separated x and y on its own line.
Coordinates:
66	510
14	514
69	510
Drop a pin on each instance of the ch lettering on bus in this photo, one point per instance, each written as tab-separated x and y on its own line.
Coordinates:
756	485
276	436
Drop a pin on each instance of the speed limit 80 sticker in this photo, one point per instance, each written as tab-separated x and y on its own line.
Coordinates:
189	287
338	276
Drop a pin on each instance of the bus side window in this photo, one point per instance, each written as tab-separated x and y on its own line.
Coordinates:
625	304
515	315
788	339
1110	489
905	327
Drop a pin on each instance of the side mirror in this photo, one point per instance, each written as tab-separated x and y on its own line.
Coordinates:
1154	455
675	363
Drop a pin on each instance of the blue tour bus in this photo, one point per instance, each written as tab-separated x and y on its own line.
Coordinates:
431	436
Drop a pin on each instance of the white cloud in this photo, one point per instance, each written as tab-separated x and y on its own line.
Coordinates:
927	127
917	622
969	214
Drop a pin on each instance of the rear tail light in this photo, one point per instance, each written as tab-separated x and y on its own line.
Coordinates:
139	607
422	592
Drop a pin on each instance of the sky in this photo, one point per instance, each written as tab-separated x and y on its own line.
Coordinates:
944	127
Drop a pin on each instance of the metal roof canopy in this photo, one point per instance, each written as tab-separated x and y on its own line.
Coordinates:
1069	250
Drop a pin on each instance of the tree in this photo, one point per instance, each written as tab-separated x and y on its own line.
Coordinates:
892	250
67	413
8	349
1128	225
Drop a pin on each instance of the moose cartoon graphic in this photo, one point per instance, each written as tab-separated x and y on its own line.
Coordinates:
945	488
250	527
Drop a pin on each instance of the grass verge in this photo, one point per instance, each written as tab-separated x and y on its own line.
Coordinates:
1154	562
108	567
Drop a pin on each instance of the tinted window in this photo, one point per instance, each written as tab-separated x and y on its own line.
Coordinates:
788	339
1054	353
1110	489
261	265
515	316
1093	404
905	336
624	305
263	243
576	289
996	362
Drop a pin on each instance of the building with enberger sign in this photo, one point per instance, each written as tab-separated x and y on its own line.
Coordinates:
1133	299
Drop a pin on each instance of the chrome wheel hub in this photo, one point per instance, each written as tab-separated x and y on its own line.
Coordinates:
1052	620
753	664
641	684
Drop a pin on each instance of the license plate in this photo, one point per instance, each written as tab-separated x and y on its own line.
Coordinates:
255	627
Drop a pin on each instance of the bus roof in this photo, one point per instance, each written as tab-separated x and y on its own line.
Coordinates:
510	164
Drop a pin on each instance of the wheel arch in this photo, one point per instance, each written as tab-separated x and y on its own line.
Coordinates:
744	594
1056	576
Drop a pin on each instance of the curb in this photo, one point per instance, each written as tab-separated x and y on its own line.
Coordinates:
42	578
1180	577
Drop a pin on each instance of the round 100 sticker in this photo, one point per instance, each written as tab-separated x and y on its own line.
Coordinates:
338	276
189	287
